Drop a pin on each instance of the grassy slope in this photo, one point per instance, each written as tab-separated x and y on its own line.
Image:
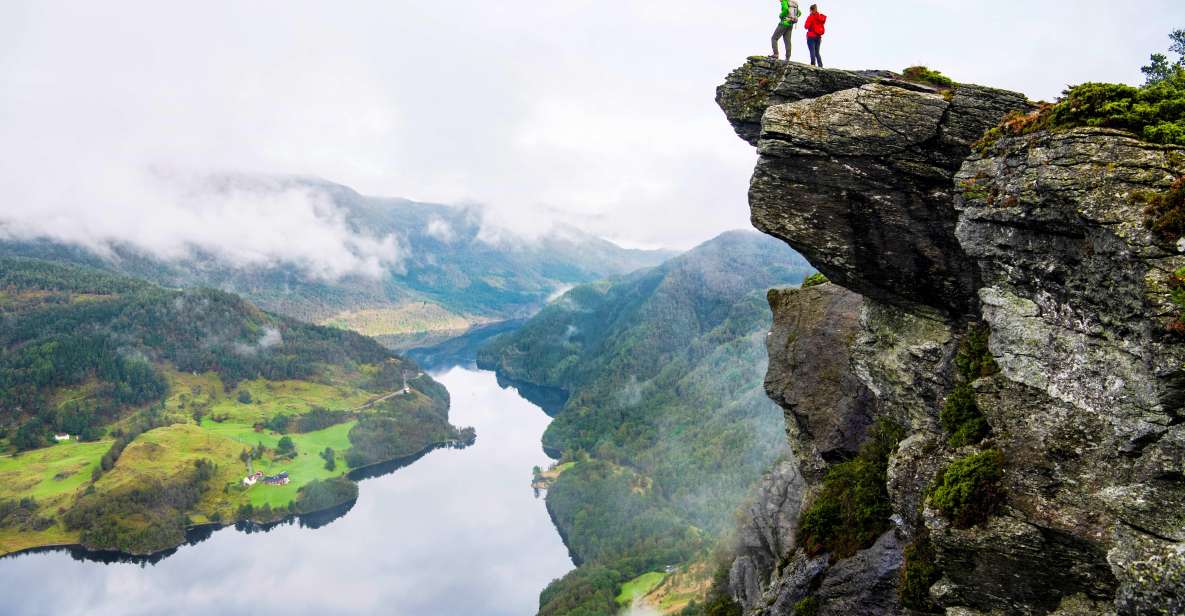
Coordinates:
665	370
640	587
203	417
50	474
56	475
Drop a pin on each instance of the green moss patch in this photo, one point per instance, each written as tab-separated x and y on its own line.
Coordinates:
974	359
968	491
917	576
807	607
962	418
1154	112
814	280
852	507
960	415
1177	297
1164	212
922	74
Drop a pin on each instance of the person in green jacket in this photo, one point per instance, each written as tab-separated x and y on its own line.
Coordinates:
786	21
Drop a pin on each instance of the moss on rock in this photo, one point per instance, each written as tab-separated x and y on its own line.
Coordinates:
917	576
807	607
852	507
922	74
814	280
1154	112
960	415
968	491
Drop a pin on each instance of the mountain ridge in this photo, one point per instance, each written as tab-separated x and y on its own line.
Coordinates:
447	277
666	425
130	412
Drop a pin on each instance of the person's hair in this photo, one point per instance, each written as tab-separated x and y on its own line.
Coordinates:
814	7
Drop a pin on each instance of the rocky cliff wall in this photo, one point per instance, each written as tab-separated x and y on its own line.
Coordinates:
1066	428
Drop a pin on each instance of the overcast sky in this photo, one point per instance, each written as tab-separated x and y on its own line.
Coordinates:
597	113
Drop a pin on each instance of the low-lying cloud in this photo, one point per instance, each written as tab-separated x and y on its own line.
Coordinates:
597	114
174	215
270	338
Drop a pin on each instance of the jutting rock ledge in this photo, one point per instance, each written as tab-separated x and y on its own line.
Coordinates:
1034	243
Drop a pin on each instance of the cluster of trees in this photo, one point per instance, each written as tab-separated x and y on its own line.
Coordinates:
324	494
145	518
278	423
285	447
665	369
263	514
320	418
77	326
23	514
589	590
31	370
388	436
608	513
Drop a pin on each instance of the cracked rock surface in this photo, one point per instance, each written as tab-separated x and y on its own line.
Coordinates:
1039	238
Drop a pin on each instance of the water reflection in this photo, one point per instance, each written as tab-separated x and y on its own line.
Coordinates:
457	532
550	399
462	350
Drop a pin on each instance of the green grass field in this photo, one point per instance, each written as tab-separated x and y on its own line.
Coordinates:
307	466
640	587
55	476
50	474
204	392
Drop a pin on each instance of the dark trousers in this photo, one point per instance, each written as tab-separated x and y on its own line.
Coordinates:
783	32
813	45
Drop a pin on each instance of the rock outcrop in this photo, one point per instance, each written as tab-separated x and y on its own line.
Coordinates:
868	160
1038	240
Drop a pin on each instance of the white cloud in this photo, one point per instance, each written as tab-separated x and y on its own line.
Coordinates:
598	114
271	338
441	230
172	215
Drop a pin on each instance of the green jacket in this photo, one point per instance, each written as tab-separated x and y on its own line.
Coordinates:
790	12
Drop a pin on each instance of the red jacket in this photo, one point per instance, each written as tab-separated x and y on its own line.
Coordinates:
814	25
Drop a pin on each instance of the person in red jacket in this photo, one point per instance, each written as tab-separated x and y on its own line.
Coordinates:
814	34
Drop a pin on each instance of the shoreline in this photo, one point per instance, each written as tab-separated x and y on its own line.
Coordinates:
400	462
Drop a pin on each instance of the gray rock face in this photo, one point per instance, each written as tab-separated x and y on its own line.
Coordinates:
828	409
763	82
1039	238
905	359
1011	565
855	172
767	536
865	583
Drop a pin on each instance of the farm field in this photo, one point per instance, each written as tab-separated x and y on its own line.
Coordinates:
210	424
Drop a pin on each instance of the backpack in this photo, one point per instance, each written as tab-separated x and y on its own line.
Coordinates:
795	12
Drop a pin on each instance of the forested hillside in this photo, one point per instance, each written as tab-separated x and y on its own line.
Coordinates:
667	422
128	411
452	270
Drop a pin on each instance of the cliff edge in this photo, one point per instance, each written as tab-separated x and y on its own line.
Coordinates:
987	406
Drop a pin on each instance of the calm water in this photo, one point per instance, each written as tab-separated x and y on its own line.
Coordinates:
457	532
